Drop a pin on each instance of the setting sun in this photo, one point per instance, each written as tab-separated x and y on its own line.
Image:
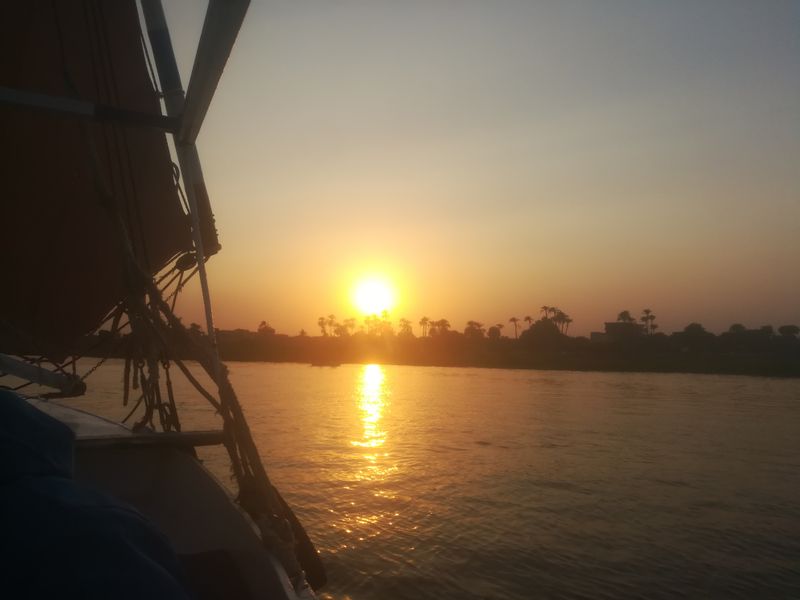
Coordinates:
373	296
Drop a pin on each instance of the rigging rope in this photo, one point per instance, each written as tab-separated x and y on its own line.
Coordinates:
151	71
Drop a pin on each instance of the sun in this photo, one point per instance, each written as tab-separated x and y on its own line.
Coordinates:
373	296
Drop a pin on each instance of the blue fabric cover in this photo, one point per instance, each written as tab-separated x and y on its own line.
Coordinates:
61	539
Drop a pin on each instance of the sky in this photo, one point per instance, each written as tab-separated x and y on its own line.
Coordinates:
492	157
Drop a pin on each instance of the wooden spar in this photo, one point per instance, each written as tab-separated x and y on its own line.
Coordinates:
192	439
84	110
220	28
67	384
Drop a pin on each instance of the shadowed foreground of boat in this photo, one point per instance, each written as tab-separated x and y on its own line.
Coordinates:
62	538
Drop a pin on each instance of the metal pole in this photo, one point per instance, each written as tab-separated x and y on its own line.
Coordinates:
188	158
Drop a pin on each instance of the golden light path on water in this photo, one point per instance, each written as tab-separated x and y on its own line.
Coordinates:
366	518
371	405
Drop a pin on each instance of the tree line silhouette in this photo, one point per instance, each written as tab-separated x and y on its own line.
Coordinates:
628	343
381	324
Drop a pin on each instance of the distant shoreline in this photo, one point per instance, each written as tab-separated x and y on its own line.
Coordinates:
792	373
646	354
759	353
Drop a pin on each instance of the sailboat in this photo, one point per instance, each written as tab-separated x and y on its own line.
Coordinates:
105	218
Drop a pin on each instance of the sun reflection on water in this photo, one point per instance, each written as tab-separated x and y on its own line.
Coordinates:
371	405
368	515
372	396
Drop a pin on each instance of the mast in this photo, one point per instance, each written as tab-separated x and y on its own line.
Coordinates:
188	157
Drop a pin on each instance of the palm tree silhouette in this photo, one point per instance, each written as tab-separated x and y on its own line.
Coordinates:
405	327
647	318
558	318
514	320
423	323
350	324
474	329
545	311
442	325
625	317
323	323
529	320
371	322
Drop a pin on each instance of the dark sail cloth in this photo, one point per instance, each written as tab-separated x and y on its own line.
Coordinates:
60	252
60	539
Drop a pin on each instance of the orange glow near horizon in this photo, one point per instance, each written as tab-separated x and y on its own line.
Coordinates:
374	295
446	168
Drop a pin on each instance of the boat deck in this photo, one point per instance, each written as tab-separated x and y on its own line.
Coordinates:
92	430
160	476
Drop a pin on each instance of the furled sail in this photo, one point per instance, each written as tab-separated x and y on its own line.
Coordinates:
65	182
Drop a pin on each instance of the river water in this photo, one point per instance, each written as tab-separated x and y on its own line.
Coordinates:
423	482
